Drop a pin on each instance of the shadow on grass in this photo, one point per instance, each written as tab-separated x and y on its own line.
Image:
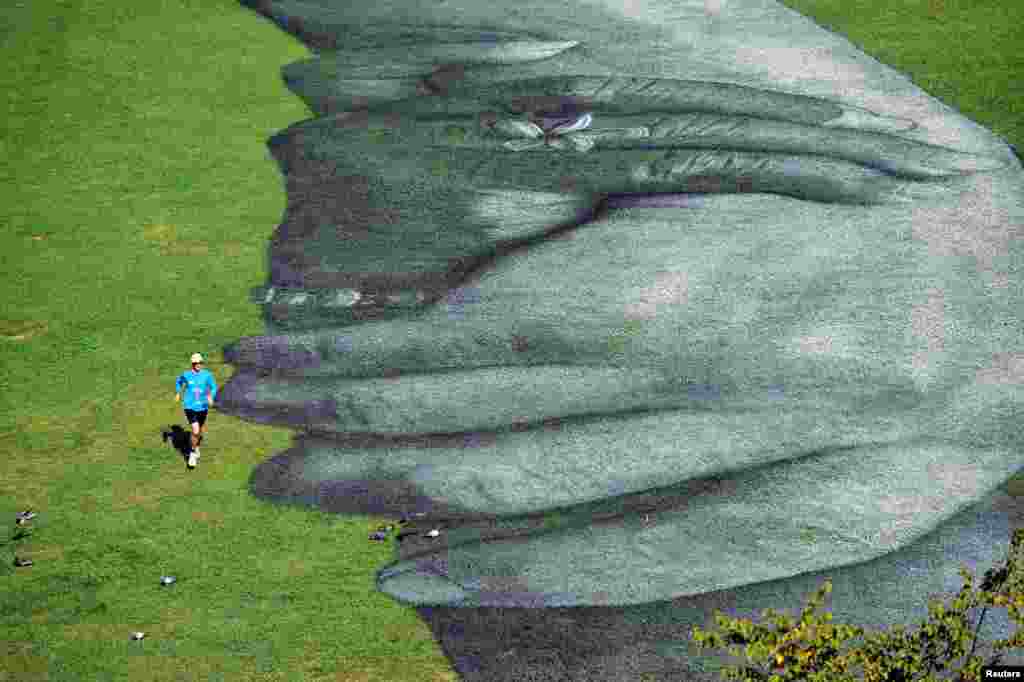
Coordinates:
181	440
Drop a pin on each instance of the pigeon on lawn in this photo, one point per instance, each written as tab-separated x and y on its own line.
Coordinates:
22	562
24	517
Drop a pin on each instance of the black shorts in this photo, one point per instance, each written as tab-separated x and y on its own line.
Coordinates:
194	416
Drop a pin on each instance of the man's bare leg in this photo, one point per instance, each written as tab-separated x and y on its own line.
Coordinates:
197	438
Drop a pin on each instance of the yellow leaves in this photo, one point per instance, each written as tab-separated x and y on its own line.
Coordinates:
21	330
455	134
208	517
617	341
439	168
948	628
161	232
379	135
193	249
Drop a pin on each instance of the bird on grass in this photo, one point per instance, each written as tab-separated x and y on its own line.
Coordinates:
24	517
405	532
408	533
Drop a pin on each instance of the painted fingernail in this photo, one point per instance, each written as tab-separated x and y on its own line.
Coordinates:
862	119
421	586
494	53
355	93
949	162
967	163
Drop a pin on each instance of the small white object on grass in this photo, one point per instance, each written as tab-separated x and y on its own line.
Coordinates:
167	580
434	533
138	635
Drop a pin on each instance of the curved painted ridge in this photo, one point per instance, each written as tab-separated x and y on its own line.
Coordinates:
671	550
586	564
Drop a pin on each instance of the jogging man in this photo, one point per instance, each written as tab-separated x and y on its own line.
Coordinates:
200	388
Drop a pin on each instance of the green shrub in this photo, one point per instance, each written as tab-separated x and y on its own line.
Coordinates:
810	651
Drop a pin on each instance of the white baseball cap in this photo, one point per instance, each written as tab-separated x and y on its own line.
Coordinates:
196	357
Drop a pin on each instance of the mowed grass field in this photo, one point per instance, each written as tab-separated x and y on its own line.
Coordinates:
137	201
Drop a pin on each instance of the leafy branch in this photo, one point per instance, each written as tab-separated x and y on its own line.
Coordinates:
810	651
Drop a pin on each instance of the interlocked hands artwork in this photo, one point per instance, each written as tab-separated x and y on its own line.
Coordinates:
736	301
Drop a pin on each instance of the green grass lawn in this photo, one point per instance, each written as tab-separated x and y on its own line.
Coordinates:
138	198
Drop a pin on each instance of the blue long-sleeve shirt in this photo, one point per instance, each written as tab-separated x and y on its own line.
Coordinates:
196	385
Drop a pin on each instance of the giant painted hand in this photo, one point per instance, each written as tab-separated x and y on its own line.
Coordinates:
803	353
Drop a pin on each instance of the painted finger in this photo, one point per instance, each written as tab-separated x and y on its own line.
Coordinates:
481	131
804	177
342	80
460	400
895	155
510	472
326	29
780	521
531	87
625	292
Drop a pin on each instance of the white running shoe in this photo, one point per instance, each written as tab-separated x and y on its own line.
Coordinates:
193	457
